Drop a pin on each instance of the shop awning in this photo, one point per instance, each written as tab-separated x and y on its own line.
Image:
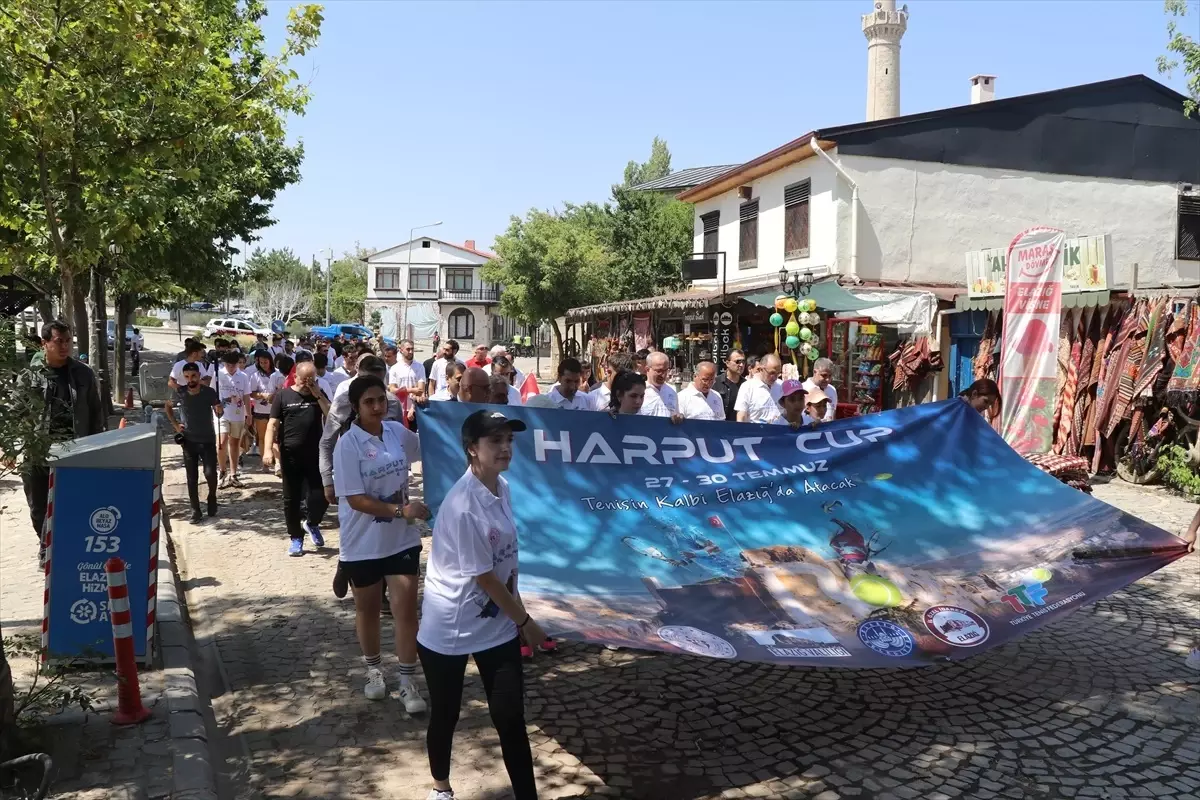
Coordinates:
828	294
1069	300
677	301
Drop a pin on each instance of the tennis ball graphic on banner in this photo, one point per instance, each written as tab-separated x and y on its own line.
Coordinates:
876	590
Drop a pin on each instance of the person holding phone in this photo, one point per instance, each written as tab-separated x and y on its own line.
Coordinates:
472	606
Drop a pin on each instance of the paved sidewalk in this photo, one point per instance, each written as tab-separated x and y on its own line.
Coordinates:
93	759
1098	705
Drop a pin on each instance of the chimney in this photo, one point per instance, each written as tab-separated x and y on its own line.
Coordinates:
983	88
469	244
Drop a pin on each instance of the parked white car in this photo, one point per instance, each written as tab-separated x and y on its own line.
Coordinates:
231	326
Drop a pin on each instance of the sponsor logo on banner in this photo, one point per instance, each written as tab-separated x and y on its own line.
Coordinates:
696	641
1028	363
886	638
956	626
104	520
801	643
84	611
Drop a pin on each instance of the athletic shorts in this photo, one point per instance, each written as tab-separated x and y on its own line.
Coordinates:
234	429
373	570
263	416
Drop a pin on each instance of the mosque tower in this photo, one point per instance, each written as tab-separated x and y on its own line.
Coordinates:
884	27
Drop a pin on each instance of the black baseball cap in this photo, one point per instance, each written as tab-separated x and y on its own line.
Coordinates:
486	422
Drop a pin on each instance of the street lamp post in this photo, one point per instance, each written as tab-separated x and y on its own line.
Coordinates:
408	272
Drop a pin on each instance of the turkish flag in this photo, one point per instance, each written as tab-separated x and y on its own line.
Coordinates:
529	388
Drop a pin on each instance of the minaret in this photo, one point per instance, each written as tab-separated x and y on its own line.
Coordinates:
884	27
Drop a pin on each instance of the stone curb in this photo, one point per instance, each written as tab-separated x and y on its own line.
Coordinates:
192	774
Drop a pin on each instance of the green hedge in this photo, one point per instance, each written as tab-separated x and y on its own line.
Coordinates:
147	322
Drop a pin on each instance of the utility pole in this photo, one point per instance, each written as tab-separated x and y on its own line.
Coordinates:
328	269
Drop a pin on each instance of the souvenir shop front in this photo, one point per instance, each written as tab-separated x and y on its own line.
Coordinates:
689	327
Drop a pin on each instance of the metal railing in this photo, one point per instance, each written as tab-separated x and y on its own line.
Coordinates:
475	295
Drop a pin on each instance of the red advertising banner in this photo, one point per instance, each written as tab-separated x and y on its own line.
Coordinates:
1032	311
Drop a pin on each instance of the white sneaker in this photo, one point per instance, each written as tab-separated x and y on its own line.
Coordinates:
438	794
411	697
376	689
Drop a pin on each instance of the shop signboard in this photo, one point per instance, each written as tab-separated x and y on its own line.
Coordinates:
1028	363
905	538
1087	267
724	333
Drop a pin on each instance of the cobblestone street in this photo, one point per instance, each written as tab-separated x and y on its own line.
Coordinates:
1098	705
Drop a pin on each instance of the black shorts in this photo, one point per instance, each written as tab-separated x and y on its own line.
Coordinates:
262	416
373	570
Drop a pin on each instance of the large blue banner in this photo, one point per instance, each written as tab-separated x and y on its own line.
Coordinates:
897	539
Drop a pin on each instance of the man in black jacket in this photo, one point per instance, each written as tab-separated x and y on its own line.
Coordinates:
72	408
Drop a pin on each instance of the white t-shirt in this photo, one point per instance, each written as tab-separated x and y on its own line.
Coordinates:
660	402
406	376
601	396
474	534
514	396
441	394
335	378
830	392
694	405
177	371
580	402
264	383
234	391
376	467
326	386
757	401
437	372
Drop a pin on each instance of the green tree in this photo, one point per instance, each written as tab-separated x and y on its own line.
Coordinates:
548	263
650	235
347	287
277	264
658	165
1187	50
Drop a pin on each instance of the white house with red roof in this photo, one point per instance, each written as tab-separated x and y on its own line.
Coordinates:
433	285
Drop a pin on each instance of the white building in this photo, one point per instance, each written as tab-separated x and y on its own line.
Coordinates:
431	285
902	201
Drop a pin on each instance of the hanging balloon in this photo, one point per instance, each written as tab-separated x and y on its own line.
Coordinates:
804	348
813	354
792	342
790	305
810	305
802	318
780	300
793	327
805	334
776	320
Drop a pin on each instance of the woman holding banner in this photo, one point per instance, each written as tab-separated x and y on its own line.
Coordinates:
472	606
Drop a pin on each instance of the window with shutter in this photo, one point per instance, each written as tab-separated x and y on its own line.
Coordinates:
711	224
748	236
796	220
1188	244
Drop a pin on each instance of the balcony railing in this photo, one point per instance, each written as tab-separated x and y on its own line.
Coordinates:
475	295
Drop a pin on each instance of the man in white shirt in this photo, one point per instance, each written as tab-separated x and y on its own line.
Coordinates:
565	394
698	400
327	379
822	373
194	354
437	373
500	350
756	402
454	373
233	390
614	363
661	400
348	368
406	373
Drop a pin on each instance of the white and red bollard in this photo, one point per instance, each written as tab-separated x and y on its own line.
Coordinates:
129	693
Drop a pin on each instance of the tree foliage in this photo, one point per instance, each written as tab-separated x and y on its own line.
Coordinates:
277	264
548	262
1186	52
658	165
156	124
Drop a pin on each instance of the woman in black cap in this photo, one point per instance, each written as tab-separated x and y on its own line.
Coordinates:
472	606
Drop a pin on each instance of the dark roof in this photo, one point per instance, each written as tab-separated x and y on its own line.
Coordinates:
683	179
1132	128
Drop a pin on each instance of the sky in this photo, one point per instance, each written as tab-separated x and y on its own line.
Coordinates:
469	113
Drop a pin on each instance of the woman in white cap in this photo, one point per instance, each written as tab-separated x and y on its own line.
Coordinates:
472	606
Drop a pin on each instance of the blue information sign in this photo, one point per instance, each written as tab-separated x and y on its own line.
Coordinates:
98	514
